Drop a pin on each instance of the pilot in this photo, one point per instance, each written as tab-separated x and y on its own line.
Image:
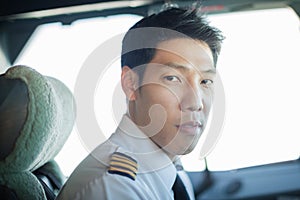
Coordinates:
168	71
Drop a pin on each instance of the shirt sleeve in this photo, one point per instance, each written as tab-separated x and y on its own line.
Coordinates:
121	187
110	187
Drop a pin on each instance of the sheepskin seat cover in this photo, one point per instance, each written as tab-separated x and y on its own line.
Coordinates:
45	120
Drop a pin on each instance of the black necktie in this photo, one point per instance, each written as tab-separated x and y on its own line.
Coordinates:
179	190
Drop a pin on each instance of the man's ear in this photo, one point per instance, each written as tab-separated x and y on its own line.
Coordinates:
129	80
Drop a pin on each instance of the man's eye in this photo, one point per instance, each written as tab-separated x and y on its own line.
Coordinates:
207	82
172	78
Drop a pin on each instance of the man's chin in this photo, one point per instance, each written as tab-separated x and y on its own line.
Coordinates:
187	151
179	152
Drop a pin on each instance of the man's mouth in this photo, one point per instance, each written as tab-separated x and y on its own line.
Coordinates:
191	127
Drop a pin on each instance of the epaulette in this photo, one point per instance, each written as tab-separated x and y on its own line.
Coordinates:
123	165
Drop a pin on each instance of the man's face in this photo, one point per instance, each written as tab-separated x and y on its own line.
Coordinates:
172	104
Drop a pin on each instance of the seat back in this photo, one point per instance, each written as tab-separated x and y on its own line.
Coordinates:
36	117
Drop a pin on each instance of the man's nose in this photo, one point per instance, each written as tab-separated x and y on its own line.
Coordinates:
192	99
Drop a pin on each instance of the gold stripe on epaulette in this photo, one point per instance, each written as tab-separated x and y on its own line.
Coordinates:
126	166
124	160
123	165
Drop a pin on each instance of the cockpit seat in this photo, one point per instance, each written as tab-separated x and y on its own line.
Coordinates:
36	117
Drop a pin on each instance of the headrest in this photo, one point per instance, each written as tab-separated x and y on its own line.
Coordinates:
37	116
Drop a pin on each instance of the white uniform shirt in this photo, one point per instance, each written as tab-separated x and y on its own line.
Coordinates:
154	178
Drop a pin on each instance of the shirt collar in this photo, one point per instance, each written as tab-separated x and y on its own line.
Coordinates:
150	158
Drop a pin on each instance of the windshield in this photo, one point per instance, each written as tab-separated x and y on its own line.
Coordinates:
259	69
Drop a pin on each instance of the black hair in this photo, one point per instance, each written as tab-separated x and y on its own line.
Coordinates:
187	22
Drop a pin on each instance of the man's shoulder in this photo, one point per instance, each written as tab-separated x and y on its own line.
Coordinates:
109	158
106	167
